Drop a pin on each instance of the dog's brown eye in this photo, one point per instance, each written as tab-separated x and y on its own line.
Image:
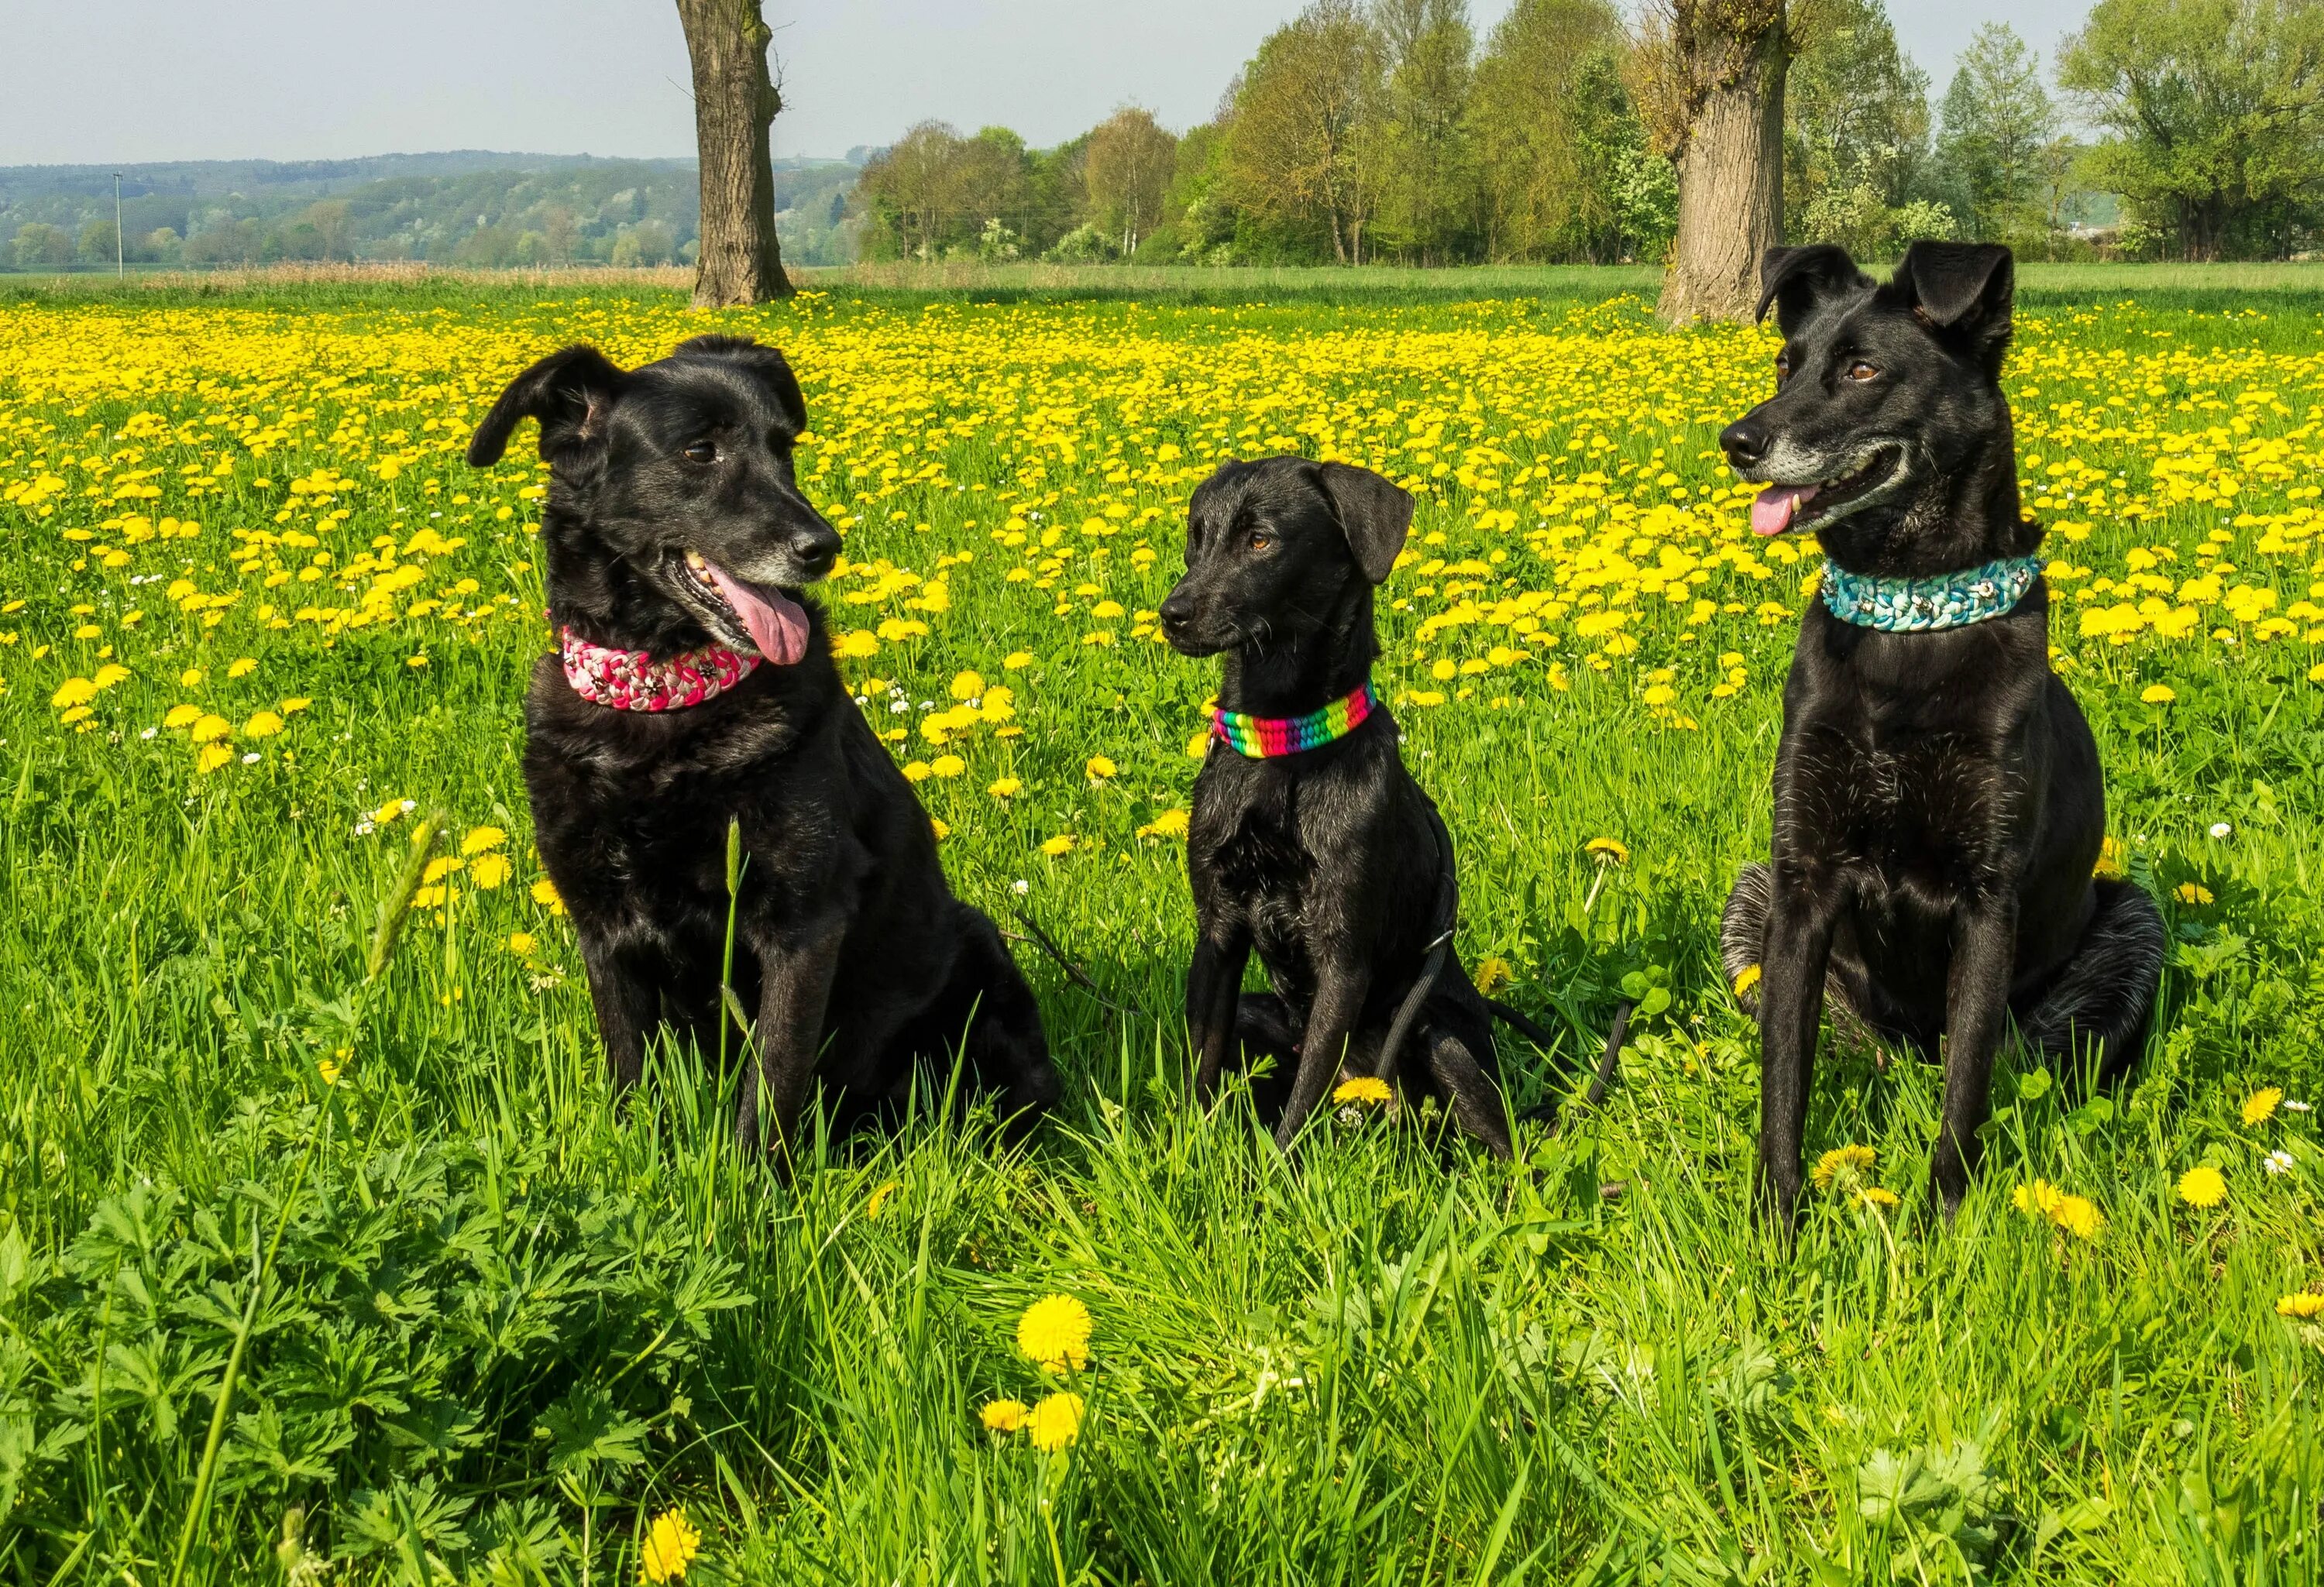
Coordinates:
702	452
1861	370
1783	364
1261	542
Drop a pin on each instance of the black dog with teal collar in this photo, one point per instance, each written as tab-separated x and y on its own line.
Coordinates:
1939	807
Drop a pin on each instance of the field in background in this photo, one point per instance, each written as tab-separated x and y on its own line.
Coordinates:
257	620
2173	285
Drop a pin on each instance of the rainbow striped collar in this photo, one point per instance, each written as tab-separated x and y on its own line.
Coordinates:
1264	737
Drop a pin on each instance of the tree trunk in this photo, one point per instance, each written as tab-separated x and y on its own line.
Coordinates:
1730	178
734	101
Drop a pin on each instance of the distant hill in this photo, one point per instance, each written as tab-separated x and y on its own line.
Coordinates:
461	206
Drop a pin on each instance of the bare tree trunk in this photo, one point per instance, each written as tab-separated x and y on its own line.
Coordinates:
734	101
1730	162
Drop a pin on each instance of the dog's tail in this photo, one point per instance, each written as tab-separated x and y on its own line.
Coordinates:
1607	1061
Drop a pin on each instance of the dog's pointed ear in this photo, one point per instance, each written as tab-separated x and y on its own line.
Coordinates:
1965	291
766	362
1375	513
1792	278
568	391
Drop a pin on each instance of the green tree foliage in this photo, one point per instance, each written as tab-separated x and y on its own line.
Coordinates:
1999	131
1127	172
1306	141
1560	145
2213	114
1430	188
1856	138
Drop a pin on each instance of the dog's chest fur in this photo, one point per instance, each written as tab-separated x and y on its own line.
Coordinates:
1907	756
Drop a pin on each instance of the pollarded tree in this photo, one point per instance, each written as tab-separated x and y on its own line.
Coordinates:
1127	168
1709	79
736	102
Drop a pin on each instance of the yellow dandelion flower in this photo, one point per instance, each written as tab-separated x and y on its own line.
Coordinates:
2260	1106
2202	1185
1063	843
879	1197
1056	1422
2193	892
211	757
489	871
332	1067
2114	855
261	724
2079	1216
1854	1160
2157	694
1199	746
1003	1415
857	645
2300	1303
1370	1090
192	678
1492	974
441	866
481	838
1877	1197
670	1545
211	727
1054	1331
1006	788
1016	661
947	766
241	667
545	894
522	944
1607	851
968	686
390	810
1745	978
1166	823
182	716
294	704
1098	768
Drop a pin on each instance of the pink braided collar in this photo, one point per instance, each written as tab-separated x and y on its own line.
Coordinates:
632	680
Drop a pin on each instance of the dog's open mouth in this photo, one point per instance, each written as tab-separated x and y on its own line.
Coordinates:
776	624
1781	507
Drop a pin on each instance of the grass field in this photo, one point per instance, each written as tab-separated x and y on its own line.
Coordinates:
258	623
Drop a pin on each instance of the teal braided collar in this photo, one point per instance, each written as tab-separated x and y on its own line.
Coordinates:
1922	606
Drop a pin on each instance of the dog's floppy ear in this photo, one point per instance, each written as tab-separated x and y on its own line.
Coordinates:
568	391
1374	512
1964	290
769	363
1791	278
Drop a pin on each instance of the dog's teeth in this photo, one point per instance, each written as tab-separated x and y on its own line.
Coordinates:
693	560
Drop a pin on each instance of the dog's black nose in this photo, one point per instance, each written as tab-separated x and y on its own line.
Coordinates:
816	549
1745	442
1178	610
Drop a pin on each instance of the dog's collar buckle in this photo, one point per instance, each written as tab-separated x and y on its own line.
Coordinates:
1260	738
1925	606
634	681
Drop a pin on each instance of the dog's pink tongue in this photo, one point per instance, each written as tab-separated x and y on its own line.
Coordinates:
1772	509
777	624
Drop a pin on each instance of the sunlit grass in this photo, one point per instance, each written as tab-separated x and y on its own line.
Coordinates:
508	1330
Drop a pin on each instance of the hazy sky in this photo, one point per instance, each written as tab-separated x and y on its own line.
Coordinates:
286	80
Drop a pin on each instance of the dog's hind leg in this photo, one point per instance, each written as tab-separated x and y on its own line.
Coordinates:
1449	1051
1006	1047
2104	997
